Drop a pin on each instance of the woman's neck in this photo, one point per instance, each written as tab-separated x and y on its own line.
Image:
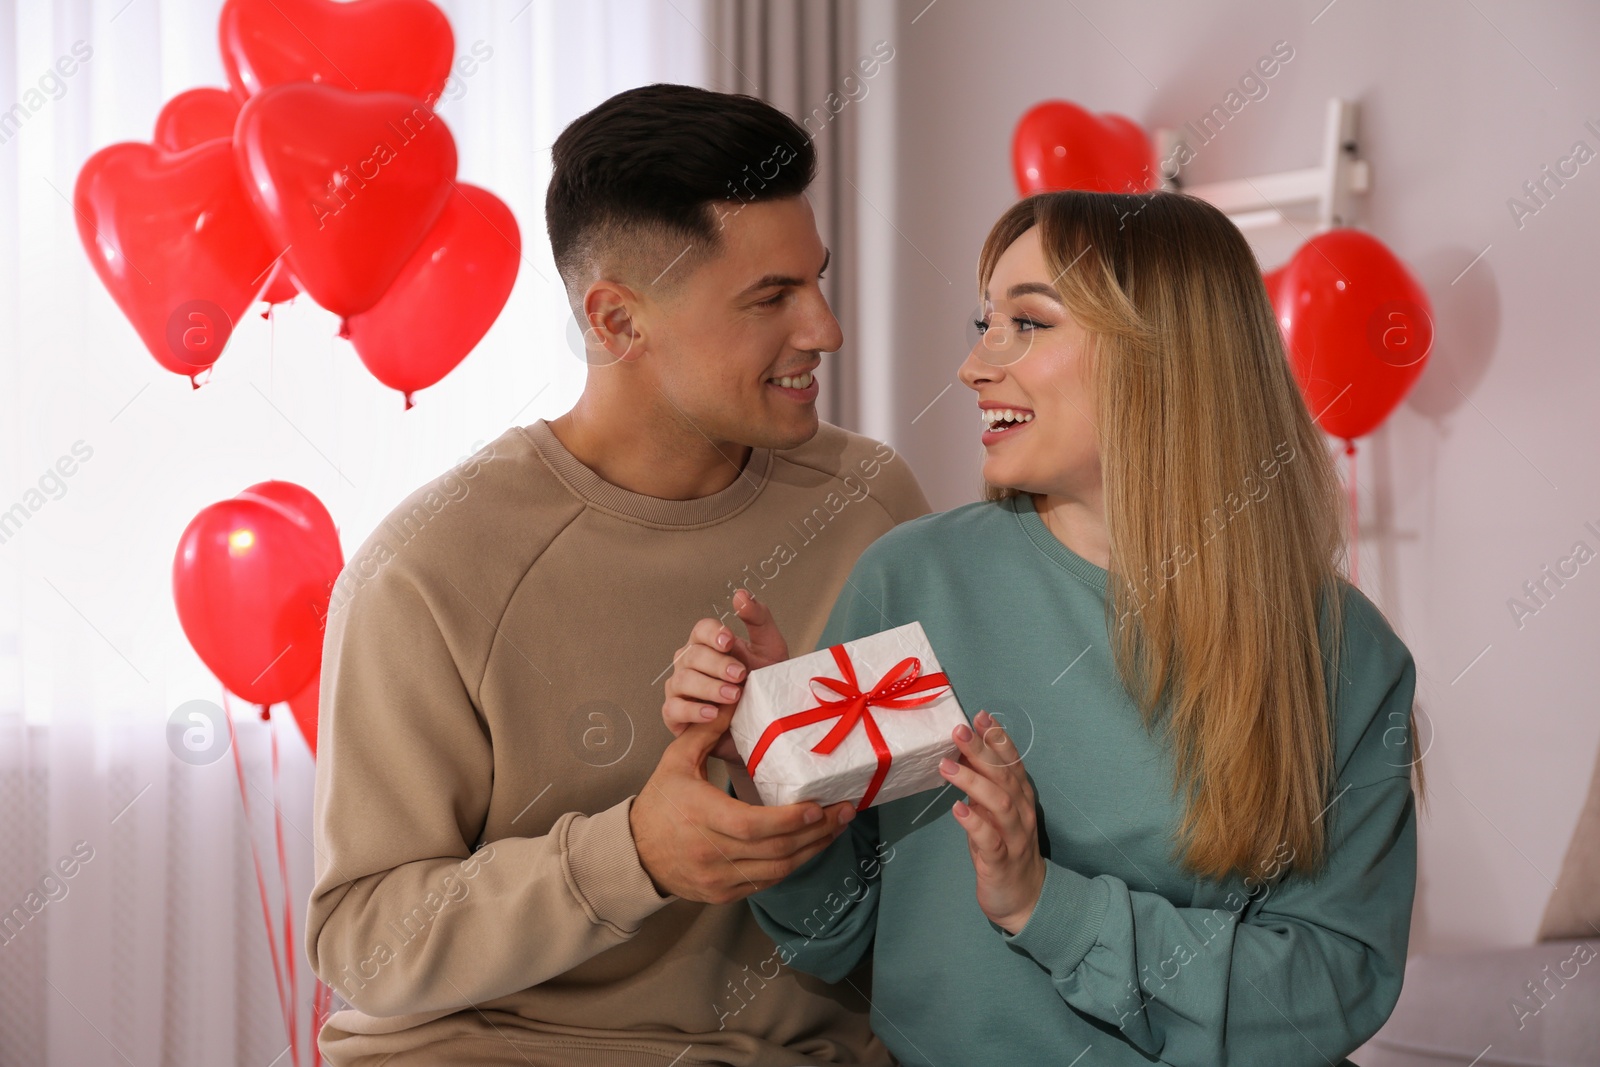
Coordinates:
1078	524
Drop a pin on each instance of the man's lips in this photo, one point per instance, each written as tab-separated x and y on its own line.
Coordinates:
801	386
795	379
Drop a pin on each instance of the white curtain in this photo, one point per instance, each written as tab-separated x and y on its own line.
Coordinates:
820	61
152	950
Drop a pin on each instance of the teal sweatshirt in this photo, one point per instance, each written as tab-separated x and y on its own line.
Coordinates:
1126	958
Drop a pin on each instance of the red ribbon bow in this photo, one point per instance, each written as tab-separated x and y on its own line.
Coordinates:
892	691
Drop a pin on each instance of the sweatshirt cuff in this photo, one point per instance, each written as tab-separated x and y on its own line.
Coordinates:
604	872
1065	922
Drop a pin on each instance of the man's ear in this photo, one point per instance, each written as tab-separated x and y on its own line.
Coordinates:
611	321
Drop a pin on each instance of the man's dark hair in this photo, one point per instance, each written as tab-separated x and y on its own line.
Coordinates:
641	176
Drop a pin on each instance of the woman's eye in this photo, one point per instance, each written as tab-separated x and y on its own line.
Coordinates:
1024	324
981	324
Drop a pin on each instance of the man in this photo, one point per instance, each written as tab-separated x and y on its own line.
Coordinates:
516	863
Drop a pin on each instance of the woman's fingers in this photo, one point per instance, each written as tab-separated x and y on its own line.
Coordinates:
991	752
1000	821
705	658
982	791
707	675
703	679
1002	750
986	762
991	775
983	836
709	632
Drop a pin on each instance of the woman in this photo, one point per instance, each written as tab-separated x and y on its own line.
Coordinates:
1188	833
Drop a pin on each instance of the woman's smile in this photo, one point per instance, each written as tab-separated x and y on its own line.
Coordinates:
1002	420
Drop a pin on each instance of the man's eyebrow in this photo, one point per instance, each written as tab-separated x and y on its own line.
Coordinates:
776	281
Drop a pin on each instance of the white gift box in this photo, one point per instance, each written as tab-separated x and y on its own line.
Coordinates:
788	770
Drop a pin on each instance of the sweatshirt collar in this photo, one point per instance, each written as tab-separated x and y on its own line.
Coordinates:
585	483
1021	505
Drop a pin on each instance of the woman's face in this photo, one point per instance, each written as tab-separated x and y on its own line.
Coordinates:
1031	362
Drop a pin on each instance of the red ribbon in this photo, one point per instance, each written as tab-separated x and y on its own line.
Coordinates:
892	691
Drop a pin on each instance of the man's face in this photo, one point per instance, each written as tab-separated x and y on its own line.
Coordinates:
749	314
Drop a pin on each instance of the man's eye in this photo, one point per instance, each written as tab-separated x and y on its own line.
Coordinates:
774	301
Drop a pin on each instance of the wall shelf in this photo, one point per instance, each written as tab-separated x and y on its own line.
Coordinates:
1283	209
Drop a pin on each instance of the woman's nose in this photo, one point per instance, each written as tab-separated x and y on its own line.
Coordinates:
975	370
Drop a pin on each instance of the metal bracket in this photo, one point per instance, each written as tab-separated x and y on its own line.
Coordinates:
1324	196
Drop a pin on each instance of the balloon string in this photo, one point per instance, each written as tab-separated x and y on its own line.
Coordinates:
261	882
288	901
1355	523
321	1001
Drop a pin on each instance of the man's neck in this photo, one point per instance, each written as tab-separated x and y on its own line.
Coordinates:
646	456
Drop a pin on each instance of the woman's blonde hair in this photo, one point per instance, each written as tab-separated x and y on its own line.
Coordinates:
1224	512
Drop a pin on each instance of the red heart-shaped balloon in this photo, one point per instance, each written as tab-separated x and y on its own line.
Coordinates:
396	46
305	508
201	115
252	579
1058	145
1358	329
312	517
194	117
281	287
447	295
1272	279
176	242
349	182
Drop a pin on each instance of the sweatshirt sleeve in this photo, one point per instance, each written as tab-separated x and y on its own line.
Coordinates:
1301	970
405	916
823	917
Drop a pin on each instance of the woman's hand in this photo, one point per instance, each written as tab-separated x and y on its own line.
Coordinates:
712	667
1000	820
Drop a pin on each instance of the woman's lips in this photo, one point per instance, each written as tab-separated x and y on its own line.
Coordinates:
1002	422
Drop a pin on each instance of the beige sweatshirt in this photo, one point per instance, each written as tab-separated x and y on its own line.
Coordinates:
491	704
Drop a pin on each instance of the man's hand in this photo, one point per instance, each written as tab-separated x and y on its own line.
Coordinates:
710	671
698	843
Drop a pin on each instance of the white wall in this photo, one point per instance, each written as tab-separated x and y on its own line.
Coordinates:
1483	476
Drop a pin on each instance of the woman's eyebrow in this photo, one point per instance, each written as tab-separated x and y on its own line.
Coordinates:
1039	288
